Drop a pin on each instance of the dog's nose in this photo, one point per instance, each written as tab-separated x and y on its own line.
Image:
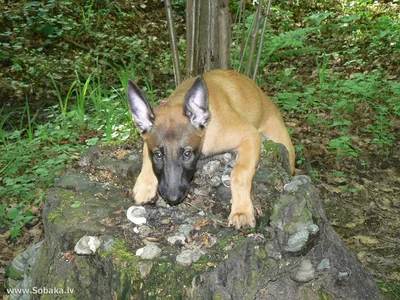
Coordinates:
174	199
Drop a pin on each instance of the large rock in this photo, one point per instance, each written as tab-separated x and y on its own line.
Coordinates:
187	251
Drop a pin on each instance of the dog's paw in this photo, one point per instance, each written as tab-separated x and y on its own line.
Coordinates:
144	192
243	217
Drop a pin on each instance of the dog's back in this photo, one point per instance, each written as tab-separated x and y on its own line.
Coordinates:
237	106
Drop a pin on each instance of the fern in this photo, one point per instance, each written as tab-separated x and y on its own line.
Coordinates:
287	44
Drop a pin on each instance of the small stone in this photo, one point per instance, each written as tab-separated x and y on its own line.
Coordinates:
150	251
297	241
202	192
184	258
178	237
145	268
186	229
297	181
166	221
160	202
211	167
196	254
304	273
144	230
324	264
87	245
187	257
108	243
343	274
215	181
136	214
226	179
227	157
313	228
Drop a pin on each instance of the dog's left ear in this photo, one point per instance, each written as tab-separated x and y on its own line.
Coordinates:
196	104
142	114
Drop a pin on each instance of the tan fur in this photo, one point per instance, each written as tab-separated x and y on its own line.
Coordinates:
240	112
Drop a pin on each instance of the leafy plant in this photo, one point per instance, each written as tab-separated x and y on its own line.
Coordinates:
343	146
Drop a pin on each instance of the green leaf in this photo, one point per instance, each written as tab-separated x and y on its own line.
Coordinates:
92	141
29	213
15	231
76	204
2	210
13	213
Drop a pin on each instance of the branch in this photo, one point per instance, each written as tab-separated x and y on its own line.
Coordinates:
192	10
254	39
243	50
237	21
261	40
174	49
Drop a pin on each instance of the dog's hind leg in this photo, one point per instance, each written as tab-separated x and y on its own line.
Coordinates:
145	188
275	129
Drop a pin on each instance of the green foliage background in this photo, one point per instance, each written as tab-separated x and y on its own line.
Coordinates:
64	67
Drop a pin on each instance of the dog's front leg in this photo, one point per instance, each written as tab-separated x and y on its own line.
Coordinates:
145	188
242	212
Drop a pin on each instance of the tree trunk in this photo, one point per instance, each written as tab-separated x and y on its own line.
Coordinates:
208	36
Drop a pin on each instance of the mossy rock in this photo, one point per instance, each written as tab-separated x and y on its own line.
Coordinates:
246	264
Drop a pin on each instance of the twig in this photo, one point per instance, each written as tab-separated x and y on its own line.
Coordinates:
254	38
243	50
238	19
261	40
174	49
76	44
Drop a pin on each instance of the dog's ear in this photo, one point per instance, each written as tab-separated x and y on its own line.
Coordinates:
142	114
196	104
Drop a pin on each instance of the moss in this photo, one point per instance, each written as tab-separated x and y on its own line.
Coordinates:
271	148
14	273
55	215
224	242
307	217
119	252
239	241
322	295
255	277
276	209
290	228
217	296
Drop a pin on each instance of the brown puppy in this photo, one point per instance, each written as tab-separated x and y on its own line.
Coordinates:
218	112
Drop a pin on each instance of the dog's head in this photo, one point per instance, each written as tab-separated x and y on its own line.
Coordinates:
174	136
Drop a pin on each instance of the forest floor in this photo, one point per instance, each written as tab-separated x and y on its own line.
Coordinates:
343	114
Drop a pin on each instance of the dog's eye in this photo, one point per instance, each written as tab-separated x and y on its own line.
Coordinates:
157	154
187	154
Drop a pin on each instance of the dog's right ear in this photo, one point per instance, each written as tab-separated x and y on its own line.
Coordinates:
196	104
142	114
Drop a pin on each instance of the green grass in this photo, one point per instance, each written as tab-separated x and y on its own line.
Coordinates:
33	155
390	291
81	61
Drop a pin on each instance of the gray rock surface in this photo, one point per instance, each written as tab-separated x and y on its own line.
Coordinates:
150	251
279	259
87	245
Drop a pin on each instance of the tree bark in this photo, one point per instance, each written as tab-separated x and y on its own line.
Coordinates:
208	36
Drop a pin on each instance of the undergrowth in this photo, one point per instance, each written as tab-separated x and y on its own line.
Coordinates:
78	57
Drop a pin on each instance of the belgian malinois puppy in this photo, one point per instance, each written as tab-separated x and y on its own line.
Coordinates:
210	114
